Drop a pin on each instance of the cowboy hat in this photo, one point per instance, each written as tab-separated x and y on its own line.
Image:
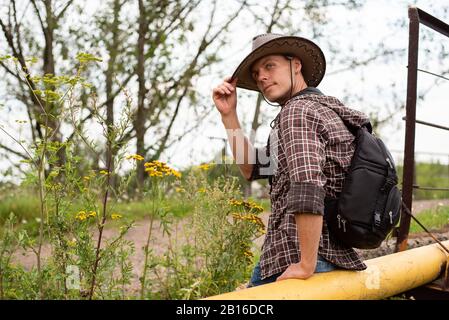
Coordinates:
311	56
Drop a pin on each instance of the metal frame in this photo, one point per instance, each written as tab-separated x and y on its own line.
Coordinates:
416	17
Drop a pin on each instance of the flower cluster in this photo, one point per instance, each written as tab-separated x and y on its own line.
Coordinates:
83	215
160	169
72	243
252	218
136	157
116	216
246	205
205	166
247	253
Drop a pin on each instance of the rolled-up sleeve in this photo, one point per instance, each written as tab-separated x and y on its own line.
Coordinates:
300	131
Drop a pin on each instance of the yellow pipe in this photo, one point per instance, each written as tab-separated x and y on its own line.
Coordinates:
385	276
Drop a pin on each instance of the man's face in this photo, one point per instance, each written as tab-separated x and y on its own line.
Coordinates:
272	76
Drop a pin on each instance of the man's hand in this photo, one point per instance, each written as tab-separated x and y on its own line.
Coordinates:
225	97
309	231
296	271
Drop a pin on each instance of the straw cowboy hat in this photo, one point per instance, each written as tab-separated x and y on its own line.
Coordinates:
311	56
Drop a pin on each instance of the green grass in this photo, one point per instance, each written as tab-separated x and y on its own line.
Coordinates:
434	175
25	206
142	209
432	219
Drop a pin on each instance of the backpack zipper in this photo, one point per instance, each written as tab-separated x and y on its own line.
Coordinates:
389	163
340	222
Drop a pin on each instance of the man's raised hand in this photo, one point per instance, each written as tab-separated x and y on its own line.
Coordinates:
225	97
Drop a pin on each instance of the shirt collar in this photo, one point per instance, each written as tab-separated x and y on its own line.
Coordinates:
308	90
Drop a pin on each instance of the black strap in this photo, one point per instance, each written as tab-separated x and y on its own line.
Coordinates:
425	229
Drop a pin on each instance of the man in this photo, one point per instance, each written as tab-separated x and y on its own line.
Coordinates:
309	152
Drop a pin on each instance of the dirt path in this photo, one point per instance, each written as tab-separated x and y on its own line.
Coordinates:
138	235
159	242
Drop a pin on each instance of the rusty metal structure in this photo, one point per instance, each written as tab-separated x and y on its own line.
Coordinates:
417	17
440	287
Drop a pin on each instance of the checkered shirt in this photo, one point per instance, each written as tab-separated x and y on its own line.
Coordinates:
307	155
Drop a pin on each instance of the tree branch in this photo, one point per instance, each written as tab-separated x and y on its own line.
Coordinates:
111	98
39	16
13	151
58	16
17	27
10	71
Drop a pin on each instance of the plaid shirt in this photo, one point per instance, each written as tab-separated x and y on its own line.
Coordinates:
308	153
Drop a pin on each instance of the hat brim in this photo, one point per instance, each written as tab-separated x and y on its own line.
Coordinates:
311	56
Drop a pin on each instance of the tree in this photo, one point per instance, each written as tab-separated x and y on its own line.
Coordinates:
19	39
165	82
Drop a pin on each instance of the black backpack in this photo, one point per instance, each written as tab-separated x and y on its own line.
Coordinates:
368	208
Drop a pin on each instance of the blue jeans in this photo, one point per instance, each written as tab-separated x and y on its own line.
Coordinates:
256	279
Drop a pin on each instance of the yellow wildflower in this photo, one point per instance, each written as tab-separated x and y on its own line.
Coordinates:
252	218
177	174
136	157
205	166
235	203
160	169
81	215
116	216
248	253
237	216
105	172
202	190
71	243
246	205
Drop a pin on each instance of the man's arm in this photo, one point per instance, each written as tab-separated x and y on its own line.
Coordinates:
309	231
225	99
242	149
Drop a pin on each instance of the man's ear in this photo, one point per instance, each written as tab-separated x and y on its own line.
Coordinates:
297	65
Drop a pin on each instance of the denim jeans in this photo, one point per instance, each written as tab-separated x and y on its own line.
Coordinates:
321	266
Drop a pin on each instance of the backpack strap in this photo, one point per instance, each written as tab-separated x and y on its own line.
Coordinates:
353	129
368	126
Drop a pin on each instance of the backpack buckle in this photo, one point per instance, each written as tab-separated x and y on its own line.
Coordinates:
377	219
388	185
